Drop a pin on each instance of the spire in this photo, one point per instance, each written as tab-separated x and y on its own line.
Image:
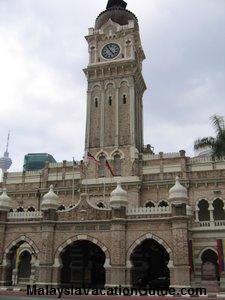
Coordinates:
116	3
7	144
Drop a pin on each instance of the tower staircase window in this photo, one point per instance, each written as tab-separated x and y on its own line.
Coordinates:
124	99
96	102
110	101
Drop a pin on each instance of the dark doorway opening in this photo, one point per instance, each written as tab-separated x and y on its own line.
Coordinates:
150	260
24	268
83	265
210	267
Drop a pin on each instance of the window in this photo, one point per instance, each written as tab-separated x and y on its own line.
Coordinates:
203	213
163	204
31	208
101	168
149	204
218	212
110	101
124	99
117	165
100	205
20	209
96	102
61	207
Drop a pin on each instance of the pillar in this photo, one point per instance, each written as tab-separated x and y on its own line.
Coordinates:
45	268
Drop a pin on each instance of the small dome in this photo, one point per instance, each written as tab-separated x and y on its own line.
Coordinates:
5	201
50	200
118	197
178	190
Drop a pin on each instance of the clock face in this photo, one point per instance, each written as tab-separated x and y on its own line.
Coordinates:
110	51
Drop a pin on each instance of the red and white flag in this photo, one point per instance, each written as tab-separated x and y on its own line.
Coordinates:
92	158
109	168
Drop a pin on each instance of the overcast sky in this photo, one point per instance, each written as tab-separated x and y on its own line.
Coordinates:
43	88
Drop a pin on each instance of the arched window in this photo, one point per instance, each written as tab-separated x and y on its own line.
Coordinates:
149	204
96	102
124	99
203	214
20	209
101	168
24	268
110	101
11	210
100	205
218	212
117	165
210	268
31	208
61	207
163	204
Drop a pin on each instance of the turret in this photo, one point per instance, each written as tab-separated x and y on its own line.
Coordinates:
118	197
178	198
50	204
5	202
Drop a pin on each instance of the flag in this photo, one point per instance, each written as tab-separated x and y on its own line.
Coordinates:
109	167
221	252
92	158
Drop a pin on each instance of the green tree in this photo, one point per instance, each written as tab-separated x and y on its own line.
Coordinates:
216	144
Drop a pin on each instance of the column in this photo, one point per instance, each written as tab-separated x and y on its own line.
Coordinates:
3	267
180	271
116	274
102	130
117	117
45	267
87	140
132	115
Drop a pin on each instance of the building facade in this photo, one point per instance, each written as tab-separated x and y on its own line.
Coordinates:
124	216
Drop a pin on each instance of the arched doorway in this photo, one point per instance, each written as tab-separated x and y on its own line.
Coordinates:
83	265
150	260
210	268
18	267
24	268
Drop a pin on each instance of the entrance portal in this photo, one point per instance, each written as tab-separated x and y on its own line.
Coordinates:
83	265
150	269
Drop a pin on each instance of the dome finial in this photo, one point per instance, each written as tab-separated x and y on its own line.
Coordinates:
50	200
116	3
5	201
178	191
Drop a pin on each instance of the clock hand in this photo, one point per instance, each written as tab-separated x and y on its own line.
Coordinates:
110	50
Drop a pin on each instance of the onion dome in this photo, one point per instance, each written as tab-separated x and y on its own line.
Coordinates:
117	12
50	200
5	201
118	197
178	191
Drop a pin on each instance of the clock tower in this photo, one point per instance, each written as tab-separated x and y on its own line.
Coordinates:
115	84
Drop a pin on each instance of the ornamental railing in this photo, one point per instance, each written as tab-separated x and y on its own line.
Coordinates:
212	224
135	211
25	215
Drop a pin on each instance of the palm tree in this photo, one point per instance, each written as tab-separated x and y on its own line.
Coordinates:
217	144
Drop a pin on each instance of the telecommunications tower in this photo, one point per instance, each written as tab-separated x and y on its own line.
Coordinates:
5	161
